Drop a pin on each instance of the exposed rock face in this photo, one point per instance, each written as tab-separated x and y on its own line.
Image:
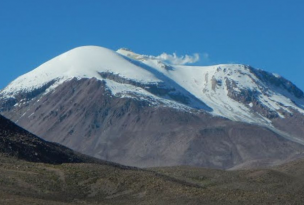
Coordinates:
83	115
158	89
250	98
278	81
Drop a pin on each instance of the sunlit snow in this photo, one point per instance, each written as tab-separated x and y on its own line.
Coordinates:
206	86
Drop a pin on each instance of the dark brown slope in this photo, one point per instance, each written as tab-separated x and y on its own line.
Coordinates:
85	116
17	142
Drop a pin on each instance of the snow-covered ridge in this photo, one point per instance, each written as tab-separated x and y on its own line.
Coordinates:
237	92
81	62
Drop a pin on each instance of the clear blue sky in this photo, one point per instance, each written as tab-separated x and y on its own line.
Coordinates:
267	34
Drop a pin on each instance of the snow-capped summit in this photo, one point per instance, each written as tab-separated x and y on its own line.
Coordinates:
238	92
81	62
142	110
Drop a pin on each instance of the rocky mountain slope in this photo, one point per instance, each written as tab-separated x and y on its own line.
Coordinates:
138	110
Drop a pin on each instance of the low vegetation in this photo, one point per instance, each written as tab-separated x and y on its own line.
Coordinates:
23	182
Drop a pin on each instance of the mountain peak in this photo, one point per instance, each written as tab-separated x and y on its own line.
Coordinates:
80	62
99	100
234	91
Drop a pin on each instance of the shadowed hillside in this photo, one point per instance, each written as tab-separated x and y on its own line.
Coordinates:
17	142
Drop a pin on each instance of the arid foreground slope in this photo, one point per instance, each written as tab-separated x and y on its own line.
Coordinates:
33	171
24	182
